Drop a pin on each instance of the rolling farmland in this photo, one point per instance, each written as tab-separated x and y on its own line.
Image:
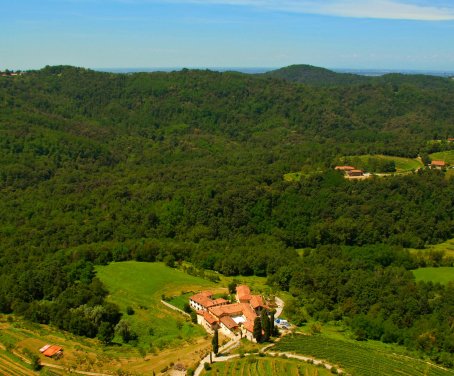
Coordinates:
257	366
359	358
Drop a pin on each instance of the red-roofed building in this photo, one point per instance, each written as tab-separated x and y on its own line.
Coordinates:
52	351
203	300
355	173
438	164
243	294
232	319
228	324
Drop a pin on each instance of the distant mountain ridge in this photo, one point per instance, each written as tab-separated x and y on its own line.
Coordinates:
316	76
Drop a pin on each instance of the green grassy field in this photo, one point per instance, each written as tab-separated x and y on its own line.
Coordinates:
447	156
359	358
402	164
266	366
141	285
441	275
447	247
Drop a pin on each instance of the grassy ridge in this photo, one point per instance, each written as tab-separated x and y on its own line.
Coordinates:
441	275
141	285
256	366
359	359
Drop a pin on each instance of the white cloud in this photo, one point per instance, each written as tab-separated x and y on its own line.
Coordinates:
379	9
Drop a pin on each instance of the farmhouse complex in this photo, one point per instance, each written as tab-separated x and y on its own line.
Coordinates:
232	319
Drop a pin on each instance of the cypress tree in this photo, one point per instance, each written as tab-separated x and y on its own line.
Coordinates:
272	322
266	326
257	331
215	342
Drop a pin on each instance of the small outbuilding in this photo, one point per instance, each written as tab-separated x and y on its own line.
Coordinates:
51	351
438	164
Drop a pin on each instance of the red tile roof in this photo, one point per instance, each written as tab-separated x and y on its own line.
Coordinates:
243	292
229	323
209	318
220	301
202	299
52	350
257	301
227	310
438	163
249	326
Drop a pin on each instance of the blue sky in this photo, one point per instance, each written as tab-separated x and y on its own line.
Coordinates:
381	34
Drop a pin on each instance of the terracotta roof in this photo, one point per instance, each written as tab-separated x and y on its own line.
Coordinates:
227	310
52	350
358	171
220	301
438	163
209	318
344	168
229	323
202	299
243	292
248	312
249	326
257	301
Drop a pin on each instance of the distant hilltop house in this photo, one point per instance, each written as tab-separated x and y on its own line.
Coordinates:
350	171
10	74
450	139
355	173
232	319
438	164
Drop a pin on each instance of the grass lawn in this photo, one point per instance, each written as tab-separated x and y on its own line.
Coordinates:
402	164
180	300
141	286
441	275
360	358
447	156
265	366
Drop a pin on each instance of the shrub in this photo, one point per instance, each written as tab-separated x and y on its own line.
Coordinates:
129	310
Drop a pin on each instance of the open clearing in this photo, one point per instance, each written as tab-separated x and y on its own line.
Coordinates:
447	247
441	275
447	156
265	366
402	164
141	286
358	358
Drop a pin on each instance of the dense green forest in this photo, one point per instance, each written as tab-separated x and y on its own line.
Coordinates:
189	165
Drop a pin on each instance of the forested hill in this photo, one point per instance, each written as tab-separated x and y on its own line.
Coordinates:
189	165
308	74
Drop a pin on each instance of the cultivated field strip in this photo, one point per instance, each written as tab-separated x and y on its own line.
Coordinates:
252	366
359	359
10	368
